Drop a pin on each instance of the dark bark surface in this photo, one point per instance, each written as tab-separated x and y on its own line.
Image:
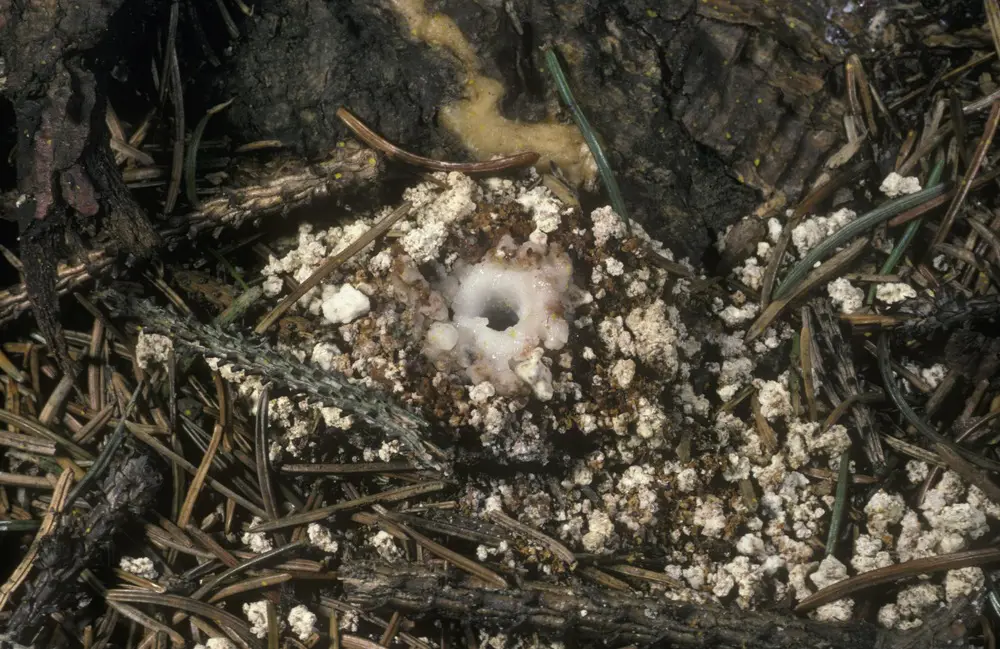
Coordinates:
300	61
63	168
78	540
699	103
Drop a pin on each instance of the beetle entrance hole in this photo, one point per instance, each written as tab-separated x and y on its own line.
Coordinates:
500	315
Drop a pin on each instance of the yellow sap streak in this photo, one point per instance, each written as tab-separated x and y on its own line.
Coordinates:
476	120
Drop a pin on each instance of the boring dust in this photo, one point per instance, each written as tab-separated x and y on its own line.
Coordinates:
633	436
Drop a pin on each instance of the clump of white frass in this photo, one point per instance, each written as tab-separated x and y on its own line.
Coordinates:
302	621
152	350
139	566
256	614
345	305
257	541
896	185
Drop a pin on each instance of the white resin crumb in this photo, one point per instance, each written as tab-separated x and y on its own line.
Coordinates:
751	272
257	541
847	297
424	243
536	374
335	418
917	471
652	419
963	582
346	305
775	400
811	232
432	205
734	316
544	208
607	225
687	480
385	545
324	354
838	611
614	267
894	292
139	566
622	372
774	229
912	603
883	510
481	392
896	185
710	516
751	545
934	374
302	621
869	553
655	338
599	530
152	349
829	572
256	614
320	537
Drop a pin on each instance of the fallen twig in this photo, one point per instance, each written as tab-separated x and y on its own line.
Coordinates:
261	191
591	612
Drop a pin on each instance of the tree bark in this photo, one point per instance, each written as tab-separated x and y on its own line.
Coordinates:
62	172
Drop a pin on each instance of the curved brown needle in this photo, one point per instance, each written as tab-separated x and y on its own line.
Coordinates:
376	141
889	574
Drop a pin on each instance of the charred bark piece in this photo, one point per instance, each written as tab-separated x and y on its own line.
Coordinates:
303	60
59	114
845	381
52	133
79	541
126	223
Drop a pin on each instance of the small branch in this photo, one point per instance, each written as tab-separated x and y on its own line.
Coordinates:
262	191
592	612
256	357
